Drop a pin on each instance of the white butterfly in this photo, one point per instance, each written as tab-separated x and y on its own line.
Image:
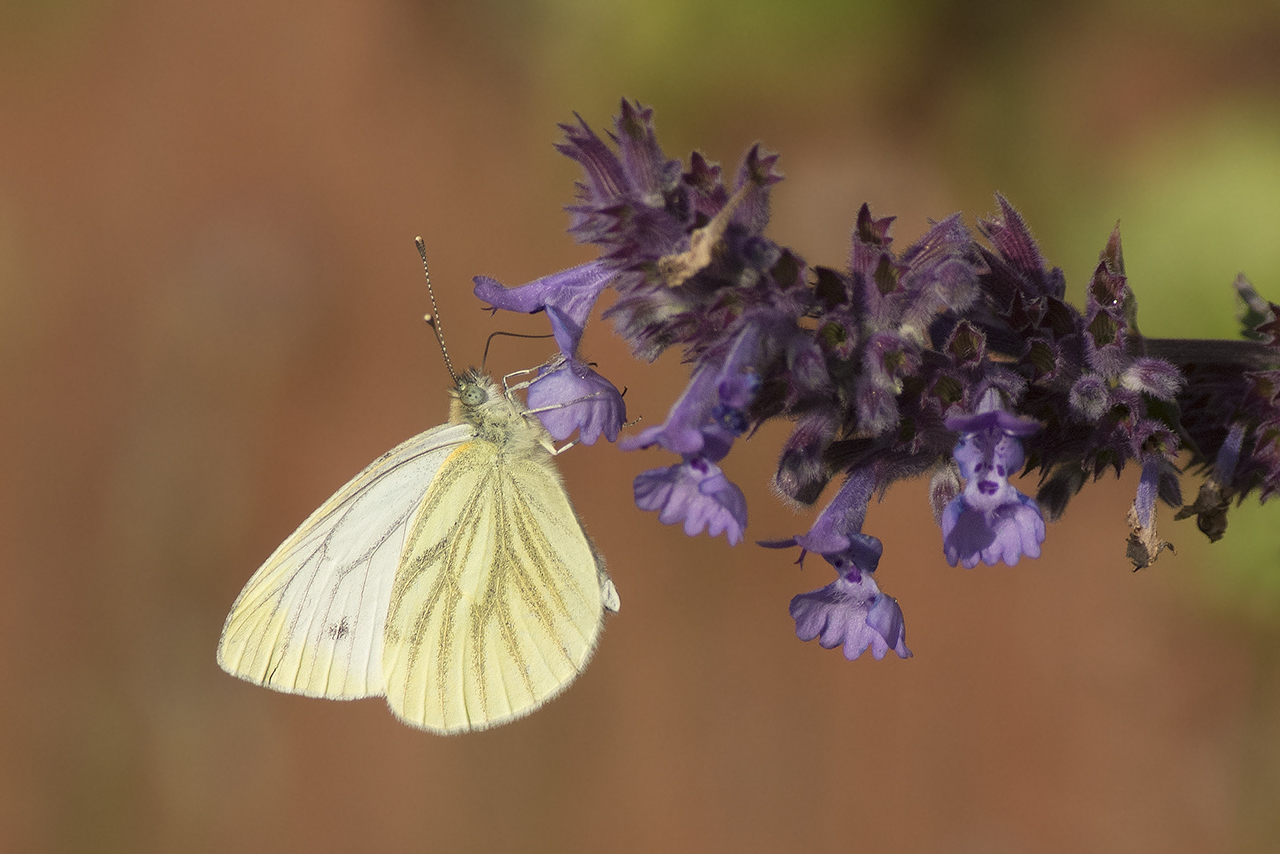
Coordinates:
451	575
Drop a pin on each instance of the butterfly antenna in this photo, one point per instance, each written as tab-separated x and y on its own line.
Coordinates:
433	319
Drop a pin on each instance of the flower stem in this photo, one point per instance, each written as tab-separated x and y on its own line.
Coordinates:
1249	355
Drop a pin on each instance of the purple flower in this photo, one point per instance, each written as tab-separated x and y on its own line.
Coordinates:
1214	499
802	474
696	493
701	427
1017	265
570	396
1155	377
1144	544
990	520
711	412
689	429
851	611
837	532
625	204
1224	466
1089	398
994	420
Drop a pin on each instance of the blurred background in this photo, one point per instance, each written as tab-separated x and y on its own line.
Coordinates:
210	318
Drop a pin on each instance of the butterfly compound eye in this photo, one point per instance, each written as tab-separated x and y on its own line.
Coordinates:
471	394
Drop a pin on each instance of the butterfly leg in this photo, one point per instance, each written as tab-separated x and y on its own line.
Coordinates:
555	406
518	386
554	362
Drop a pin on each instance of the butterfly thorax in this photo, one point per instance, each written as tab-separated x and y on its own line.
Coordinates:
496	416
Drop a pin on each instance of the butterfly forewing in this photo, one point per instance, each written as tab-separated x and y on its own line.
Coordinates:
311	619
498	602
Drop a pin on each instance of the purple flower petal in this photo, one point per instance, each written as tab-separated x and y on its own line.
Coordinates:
573	291
885	618
696	493
1005	532
861	555
1224	466
998	419
852	613
1144	502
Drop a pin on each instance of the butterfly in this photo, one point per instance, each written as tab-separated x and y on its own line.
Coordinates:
451	576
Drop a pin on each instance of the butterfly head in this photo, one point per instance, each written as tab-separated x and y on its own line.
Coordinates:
477	400
497	416
474	389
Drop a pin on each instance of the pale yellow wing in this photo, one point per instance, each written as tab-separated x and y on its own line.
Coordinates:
311	619
499	599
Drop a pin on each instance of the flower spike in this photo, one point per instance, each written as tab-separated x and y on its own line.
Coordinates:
954	357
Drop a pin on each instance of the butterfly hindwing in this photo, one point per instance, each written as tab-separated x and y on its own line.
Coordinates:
500	596
311	619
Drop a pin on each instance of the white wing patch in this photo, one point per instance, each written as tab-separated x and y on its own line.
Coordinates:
499	599
311	619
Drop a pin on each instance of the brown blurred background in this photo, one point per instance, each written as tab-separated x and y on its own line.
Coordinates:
210	318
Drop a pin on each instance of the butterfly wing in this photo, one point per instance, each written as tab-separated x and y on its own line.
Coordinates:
310	620
500	596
